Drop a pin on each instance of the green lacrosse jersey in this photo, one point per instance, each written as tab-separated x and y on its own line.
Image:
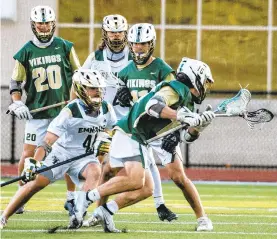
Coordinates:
141	81
48	75
143	126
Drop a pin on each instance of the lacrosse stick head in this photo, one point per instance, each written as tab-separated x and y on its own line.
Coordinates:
260	116
236	105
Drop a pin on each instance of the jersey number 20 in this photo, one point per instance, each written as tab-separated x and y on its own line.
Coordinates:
52	73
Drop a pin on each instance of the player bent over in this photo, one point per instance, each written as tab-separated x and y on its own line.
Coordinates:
168	102
76	130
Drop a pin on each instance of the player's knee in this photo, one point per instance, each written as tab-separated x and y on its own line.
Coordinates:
136	183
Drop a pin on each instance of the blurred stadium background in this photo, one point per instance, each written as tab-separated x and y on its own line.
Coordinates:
237	38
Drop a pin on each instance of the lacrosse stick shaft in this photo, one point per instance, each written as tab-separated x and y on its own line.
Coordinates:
181	126
49	107
45	107
48	168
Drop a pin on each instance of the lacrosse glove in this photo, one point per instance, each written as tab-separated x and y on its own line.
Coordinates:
184	115
102	144
207	116
124	96
170	142
20	110
30	169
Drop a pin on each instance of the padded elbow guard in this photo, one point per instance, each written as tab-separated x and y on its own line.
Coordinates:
155	106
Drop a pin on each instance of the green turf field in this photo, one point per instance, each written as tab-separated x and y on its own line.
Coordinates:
237	211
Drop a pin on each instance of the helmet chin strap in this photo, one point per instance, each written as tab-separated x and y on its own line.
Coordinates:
42	44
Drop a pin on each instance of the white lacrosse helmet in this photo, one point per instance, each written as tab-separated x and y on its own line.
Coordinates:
43	14
115	23
83	78
195	74
141	33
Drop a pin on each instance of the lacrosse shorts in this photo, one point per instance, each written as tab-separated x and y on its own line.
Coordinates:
124	149
161	155
74	169
35	130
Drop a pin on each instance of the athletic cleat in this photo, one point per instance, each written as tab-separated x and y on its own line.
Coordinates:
106	220
20	210
69	206
74	222
92	222
3	222
166	214
204	224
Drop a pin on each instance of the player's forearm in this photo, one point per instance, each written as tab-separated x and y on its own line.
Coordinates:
16	96
46	146
168	113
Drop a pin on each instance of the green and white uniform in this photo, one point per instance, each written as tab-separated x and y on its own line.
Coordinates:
107	62
140	126
46	73
140	82
77	133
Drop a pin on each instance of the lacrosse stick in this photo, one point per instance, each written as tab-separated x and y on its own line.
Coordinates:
235	106
44	108
48	168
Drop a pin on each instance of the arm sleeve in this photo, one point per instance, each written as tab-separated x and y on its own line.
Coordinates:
170	77
74	60
60	124
169	95
19	72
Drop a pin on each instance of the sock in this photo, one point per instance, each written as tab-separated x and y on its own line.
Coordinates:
158	193
112	207
70	195
93	195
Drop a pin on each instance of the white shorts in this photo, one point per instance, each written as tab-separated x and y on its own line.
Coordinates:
35	130
123	149
73	169
162	155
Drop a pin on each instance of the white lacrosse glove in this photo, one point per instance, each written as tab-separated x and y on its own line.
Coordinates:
184	115
30	168
207	116
102	144
20	110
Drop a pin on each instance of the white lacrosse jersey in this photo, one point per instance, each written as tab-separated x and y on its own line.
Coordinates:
109	64
78	131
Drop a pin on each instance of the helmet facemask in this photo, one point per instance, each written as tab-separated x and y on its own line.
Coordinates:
44	37
115	45
142	58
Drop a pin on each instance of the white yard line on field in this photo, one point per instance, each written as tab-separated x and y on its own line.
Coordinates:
147	231
146	222
154	213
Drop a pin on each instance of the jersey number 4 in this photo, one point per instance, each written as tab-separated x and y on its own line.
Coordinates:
89	142
47	78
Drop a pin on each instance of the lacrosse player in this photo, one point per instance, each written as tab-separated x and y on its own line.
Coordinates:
139	77
168	102
79	128
112	56
44	68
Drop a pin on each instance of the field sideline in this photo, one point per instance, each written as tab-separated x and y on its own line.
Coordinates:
237	211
